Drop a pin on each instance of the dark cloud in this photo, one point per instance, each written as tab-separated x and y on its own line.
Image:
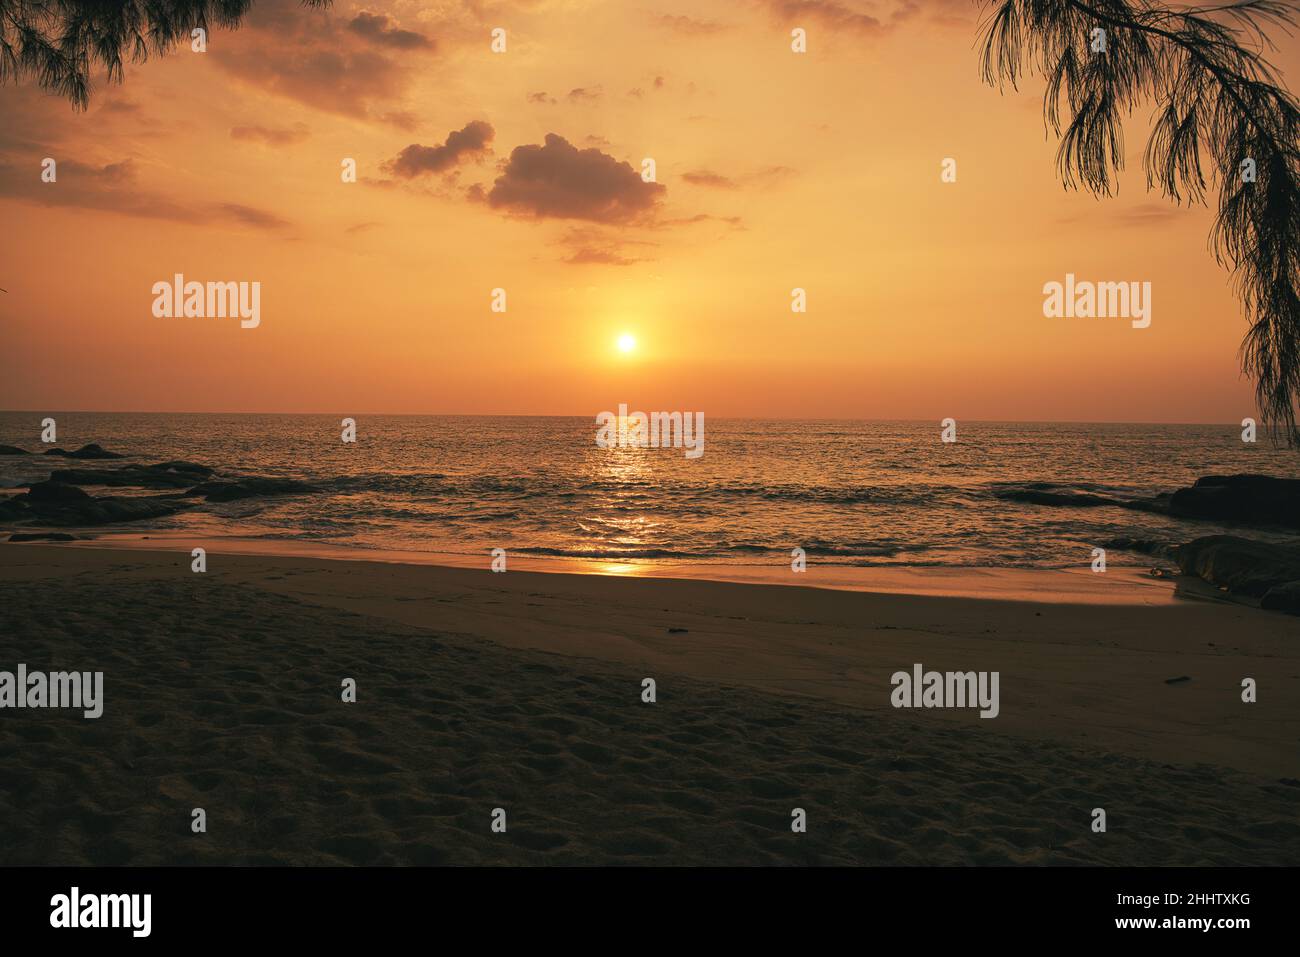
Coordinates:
541	97
583	95
557	180
381	29
270	135
342	81
416	160
355	68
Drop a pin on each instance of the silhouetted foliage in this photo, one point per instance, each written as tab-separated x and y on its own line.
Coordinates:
1217	99
58	43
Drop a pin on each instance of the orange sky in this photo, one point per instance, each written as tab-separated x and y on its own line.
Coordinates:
775	170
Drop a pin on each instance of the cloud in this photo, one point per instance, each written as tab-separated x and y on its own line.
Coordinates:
735	222
119	105
113	188
599	246
826	13
270	135
557	180
381	29
541	97
689	26
253	217
848	16
704	177
606	257
583	95
354	68
403	119
471	141
765	176
1138	215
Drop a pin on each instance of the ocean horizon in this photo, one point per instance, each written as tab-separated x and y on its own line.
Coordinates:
847	492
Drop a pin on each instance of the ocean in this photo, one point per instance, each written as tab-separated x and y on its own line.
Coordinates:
848	493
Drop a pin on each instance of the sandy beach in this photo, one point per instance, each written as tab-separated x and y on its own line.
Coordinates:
523	691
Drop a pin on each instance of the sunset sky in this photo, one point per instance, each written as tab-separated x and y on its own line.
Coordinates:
522	171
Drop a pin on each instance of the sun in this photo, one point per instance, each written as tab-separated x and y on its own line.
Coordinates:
626	342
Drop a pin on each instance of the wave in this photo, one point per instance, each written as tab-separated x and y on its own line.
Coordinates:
606	553
437	486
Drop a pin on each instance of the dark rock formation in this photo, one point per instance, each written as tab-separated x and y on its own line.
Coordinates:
249	487
1144	546
1041	496
162	475
1250	499
1242	566
1284	597
91	451
12	450
53	503
55	493
42	537
1238	499
59	501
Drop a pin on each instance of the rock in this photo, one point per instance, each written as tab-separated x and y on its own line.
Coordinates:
162	475
1252	499
1244	499
250	487
53	503
1177	681
1240	565
12	450
181	467
1040	496
1144	546
91	451
1284	597
55	492
42	537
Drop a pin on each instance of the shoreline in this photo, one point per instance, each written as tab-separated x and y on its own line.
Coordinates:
1119	585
